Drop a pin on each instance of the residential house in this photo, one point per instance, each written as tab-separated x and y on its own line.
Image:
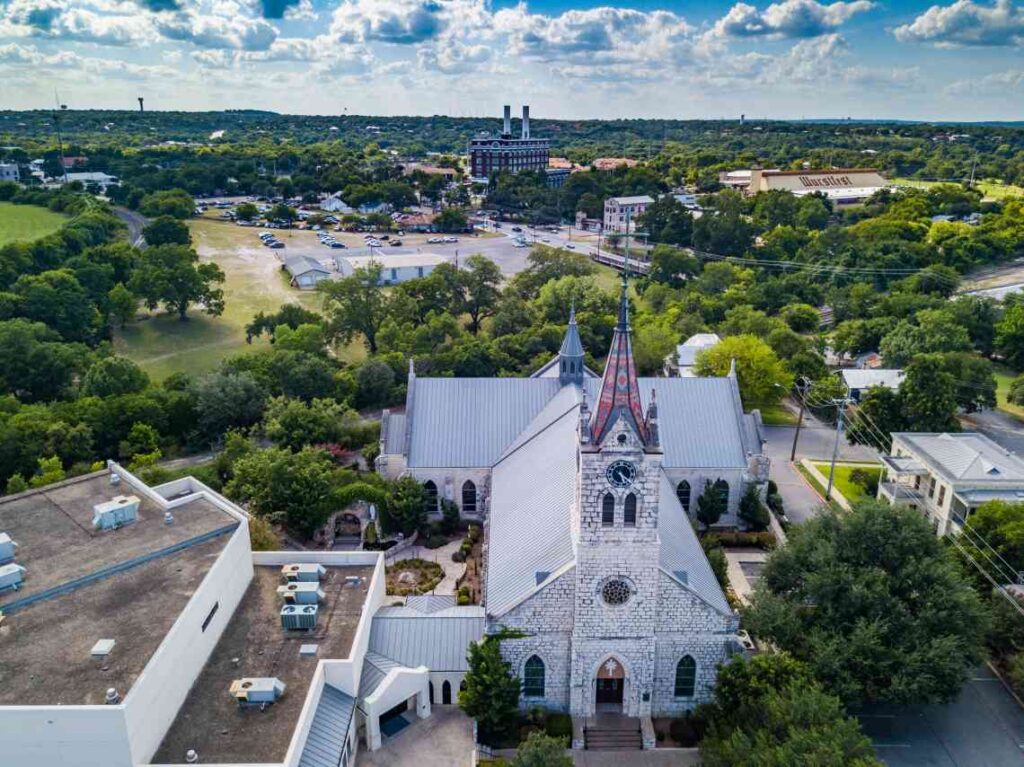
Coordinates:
394	268
306	272
681	363
947	476
858	381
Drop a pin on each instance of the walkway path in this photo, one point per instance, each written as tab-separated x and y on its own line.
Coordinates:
443	556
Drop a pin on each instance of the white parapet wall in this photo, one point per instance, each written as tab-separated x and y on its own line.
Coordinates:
64	736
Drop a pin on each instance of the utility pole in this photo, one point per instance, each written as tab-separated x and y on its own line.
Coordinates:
802	388
841	406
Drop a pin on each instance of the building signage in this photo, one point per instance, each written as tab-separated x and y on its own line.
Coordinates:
817	181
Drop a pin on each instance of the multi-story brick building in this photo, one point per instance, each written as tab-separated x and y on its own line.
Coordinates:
488	154
621	213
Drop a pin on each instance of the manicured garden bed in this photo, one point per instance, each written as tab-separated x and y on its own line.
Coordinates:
413	576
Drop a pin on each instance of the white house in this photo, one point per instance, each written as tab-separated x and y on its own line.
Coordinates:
306	272
858	380
102	180
685	357
947	476
9	172
334	204
394	268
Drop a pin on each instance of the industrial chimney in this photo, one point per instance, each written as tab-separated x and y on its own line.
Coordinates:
507	131
140	105
526	122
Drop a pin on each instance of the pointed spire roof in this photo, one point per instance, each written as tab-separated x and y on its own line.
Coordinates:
620	392
572	346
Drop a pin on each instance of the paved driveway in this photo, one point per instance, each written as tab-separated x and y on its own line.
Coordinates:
444	739
983	727
1000	427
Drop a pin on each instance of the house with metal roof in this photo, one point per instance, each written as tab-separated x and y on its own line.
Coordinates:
586	485
305	271
948	476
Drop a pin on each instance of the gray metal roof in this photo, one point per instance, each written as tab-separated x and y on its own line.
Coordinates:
461	422
394	433
532	492
438	641
375	669
572	346
966	457
297	265
681	552
430	603
328	732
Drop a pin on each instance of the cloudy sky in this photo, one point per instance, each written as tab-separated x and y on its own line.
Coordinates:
566	58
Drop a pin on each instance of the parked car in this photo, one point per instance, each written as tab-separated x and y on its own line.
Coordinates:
570	246
517	228
395	243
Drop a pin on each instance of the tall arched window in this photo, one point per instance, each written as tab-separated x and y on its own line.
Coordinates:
686	677
683	494
722	489
468	497
608	510
430	490
629	511
446	693
533	677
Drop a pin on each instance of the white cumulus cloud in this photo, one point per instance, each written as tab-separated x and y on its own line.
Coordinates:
966	23
788	19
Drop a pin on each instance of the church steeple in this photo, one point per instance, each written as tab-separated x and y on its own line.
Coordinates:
570	356
620	392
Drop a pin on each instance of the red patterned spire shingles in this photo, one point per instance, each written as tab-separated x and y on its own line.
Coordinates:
620	391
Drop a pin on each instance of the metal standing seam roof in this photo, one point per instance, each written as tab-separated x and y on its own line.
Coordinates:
890	378
438	641
328	732
681	552
375	669
394	434
468	422
430	603
966	457
532	492
297	265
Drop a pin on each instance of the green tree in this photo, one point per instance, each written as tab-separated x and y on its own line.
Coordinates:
672	266
166	230
480	281
667	221
356	305
881	408
1001	525
281	212
375	382
143	439
928	395
49	471
16	484
173	276
227	400
712	503
405	508
34	364
1016	393
294	424
874	604
491	695
113	375
540	750
974	382
123	305
762	377
247	212
451	220
171	202
752	511
1010	335
57	299
803	318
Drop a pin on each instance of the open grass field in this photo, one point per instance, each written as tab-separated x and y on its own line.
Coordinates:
1003	378
778	415
254	282
993	190
27	222
851	491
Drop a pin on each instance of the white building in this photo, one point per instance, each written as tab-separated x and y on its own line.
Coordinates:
395	268
586	485
102	180
859	380
159	640
305	271
620	213
9	172
334	204
947	476
685	357
842	186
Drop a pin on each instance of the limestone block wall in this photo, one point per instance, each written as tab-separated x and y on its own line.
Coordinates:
555	649
449	485
697	477
708	650
637	657
549	610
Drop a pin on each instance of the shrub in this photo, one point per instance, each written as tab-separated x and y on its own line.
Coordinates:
688	729
463	599
764	540
752	511
459	556
558	725
716	558
775	503
866	479
435	541
449	516
772	487
1016	395
1017	671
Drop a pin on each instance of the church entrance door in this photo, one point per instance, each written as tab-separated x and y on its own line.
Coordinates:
611	684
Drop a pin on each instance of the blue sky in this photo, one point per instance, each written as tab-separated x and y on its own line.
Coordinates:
566	58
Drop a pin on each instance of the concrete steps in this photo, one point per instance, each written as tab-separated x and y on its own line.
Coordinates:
613	739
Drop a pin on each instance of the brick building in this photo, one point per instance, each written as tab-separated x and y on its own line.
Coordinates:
503	152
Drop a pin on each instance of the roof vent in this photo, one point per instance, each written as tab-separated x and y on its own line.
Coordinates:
540	576
7	547
115	479
111	698
168	518
352	580
682	576
191	756
102	648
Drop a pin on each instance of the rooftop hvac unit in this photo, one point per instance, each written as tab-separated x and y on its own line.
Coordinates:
110	515
7	547
301	593
257	691
299	617
304	572
11	576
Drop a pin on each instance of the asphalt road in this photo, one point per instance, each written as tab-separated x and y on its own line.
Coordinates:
1000	427
816	441
135	222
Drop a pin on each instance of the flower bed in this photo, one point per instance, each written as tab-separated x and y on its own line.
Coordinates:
413	576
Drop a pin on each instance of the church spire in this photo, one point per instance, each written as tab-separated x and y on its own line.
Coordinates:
570	356
620	392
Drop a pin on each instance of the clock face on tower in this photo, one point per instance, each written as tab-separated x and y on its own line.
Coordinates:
621	474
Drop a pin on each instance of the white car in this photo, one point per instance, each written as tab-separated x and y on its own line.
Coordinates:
451	239
570	246
435	240
520	245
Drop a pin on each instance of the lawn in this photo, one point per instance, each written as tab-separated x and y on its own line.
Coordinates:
1003	378
851	491
777	415
993	190
27	222
254	282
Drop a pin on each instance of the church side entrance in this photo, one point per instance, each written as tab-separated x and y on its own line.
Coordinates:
611	684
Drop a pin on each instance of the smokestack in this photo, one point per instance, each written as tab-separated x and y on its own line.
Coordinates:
508	120
140	105
526	122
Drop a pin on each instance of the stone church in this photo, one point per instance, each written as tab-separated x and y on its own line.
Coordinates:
585	485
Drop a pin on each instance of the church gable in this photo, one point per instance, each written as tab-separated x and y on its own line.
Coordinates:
548	610
680	611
